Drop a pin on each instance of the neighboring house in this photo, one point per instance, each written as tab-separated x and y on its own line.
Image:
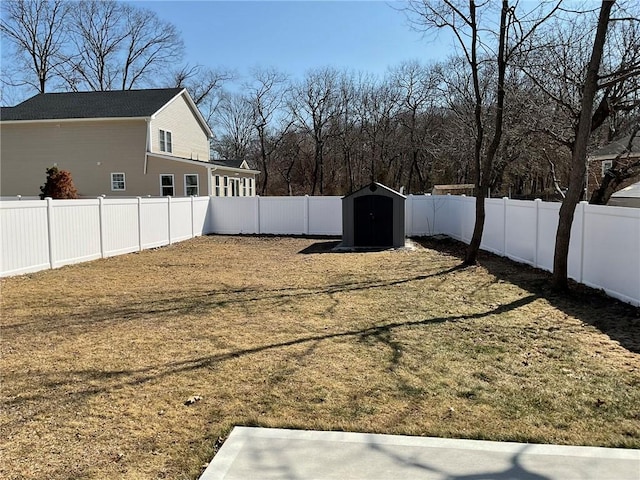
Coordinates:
602	160
151	142
230	179
459	189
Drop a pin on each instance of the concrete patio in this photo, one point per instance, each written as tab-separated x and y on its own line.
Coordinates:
252	453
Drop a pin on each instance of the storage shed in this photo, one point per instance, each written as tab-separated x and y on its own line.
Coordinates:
373	217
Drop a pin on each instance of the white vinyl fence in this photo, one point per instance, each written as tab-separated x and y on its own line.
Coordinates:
37	234
277	215
604	251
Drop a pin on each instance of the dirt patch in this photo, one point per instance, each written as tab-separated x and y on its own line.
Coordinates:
99	360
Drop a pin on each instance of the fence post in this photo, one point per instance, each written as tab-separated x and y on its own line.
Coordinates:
408	215
169	218
50	229
101	223
536	240
193	234
139	224
306	215
582	234
257	214
504	226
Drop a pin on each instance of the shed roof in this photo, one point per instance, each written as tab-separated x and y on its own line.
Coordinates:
78	105
376	185
632	191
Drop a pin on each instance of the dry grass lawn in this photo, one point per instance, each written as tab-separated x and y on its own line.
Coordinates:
98	359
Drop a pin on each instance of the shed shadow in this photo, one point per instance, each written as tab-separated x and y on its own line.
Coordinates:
336	247
321	247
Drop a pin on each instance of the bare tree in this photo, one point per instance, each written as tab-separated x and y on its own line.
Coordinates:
115	45
579	153
464	20
314	103
379	107
234	119
205	85
36	28
266	94
417	89
150	47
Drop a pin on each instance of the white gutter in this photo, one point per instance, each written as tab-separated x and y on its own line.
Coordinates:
68	120
236	170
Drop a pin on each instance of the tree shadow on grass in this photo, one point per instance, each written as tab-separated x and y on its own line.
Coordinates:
616	319
73	385
198	303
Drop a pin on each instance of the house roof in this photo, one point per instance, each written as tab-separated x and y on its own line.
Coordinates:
228	163
614	149
237	166
77	105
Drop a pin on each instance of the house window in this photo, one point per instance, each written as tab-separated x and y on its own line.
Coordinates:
166	185
235	187
191	185
166	145
117	182
251	187
225	186
217	184
244	187
606	166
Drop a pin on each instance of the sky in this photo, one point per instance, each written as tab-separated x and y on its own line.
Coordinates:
296	36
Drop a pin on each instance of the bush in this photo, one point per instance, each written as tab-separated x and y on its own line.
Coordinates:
59	185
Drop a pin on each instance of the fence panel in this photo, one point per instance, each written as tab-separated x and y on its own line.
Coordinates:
120	226
422	213
325	215
612	251
493	235
200	215
547	226
181	223
234	215
468	213
520	228
284	215
24	236
75	231
154	222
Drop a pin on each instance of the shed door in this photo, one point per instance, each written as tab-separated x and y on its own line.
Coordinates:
373	221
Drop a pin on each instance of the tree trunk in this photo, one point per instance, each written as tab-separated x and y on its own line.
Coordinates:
602	194
263	156
579	153
483	169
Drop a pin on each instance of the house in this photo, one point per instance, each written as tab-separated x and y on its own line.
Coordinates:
602	160
129	143
459	189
